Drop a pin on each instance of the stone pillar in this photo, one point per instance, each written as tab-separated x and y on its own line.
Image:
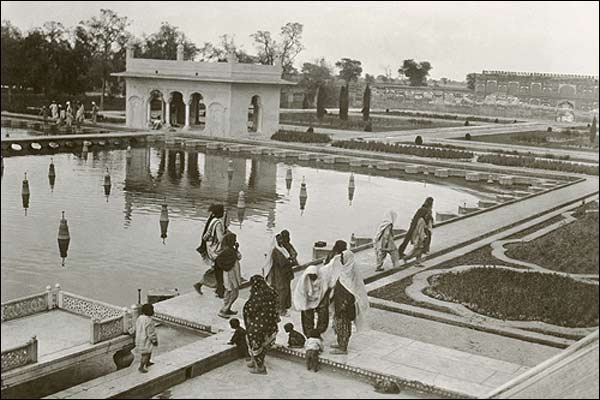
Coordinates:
168	112
180	52
187	115
148	108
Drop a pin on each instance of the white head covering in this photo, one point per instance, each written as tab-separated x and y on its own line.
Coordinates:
307	293
331	272
269	261
351	279
388	219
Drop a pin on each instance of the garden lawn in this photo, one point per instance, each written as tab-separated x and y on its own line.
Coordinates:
520	296
355	122
572	248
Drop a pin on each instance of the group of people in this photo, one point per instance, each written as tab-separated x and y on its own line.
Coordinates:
69	114
330	293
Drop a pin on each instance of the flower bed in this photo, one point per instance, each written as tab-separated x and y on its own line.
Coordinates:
532	162
519	296
572	248
448	116
300	137
420	151
356	123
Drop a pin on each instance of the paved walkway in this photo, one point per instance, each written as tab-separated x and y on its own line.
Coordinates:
286	380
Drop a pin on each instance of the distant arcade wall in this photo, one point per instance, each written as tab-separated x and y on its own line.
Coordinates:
224	99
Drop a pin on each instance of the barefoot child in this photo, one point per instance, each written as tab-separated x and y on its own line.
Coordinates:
239	338
295	339
145	336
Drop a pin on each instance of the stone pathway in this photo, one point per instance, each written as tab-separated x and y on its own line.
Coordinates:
286	380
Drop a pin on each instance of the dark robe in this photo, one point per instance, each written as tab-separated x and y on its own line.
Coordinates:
280	278
421	213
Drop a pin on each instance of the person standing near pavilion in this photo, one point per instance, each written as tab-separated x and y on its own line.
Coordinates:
94	110
80	116
44	114
69	114
383	243
62	115
425	210
260	319
54	110
350	302
279	274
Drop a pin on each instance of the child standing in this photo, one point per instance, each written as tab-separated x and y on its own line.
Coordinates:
295	338
239	338
145	336
313	346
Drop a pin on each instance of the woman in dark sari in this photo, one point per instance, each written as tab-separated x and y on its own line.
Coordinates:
350	302
260	318
424	212
279	273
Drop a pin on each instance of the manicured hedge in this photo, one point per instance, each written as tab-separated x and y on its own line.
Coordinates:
300	137
396	148
520	296
447	116
532	162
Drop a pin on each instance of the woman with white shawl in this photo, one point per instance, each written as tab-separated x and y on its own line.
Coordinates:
350	302
279	274
311	297
383	242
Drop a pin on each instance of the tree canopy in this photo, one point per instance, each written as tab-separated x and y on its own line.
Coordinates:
416	72
350	69
163	44
285	49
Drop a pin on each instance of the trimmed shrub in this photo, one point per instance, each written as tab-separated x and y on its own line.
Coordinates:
549	129
467	123
419	140
431	152
467	136
532	162
300	137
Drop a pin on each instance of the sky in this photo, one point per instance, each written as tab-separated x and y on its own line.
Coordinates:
455	37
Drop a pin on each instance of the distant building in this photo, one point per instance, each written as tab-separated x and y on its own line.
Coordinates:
562	91
214	99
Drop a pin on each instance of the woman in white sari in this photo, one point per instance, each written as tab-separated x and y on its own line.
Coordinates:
210	247
351	302
311	298
279	274
383	242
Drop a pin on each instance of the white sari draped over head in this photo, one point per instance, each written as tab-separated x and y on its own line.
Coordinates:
388	220
351	279
269	256
308	294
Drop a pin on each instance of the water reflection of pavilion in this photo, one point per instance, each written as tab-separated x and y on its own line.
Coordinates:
190	181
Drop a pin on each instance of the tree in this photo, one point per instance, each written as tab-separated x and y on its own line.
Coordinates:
314	75
350	70
344	103
366	103
321	102
370	79
163	44
211	53
471	81
11	56
593	130
286	49
415	72
109	37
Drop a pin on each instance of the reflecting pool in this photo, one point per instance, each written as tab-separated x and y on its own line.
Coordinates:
116	245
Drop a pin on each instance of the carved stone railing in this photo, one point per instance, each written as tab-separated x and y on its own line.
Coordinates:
25	306
87	307
20	355
108	329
